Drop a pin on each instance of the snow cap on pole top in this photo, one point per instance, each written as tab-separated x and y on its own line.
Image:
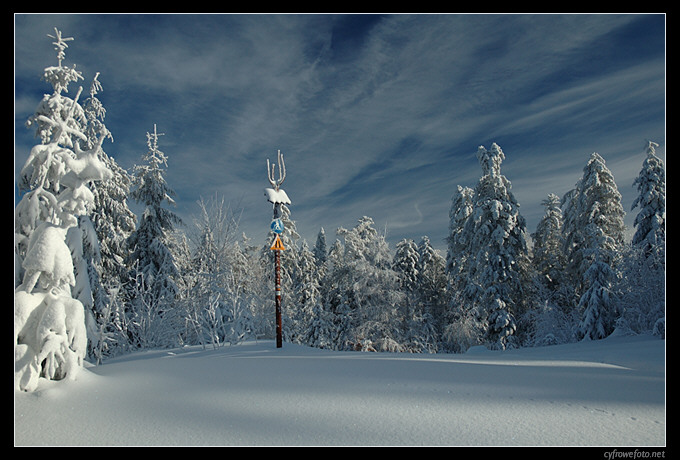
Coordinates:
276	196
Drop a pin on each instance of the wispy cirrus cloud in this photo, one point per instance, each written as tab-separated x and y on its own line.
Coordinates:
377	115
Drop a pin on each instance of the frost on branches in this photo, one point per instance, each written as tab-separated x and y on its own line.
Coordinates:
594	231
49	324
488	257
650	235
644	292
152	318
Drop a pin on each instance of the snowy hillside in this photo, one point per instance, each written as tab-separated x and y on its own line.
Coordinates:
604	393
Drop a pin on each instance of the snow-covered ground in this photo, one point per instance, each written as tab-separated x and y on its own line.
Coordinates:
604	393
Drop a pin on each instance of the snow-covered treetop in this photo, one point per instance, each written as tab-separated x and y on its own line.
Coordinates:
154	155
94	113
490	160
363	243
60	76
651	182
151	188
551	223
599	187
60	44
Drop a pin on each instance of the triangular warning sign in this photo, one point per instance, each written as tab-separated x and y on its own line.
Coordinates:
278	245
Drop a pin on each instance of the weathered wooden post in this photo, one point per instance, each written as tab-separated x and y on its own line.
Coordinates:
277	197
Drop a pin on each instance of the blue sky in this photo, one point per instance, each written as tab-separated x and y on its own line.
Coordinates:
376	115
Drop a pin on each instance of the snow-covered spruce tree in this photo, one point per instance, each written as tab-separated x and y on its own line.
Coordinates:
306	294
186	280
547	255
417	328
498	254
242	301
596	302
153	287
459	236
463	325
370	289
650	221
550	319
643	280
334	323
320	250
49	322
432	278
432	286
321	329
594	237
405	263
113	222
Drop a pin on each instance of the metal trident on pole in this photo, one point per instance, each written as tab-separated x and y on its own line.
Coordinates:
277	197
282	172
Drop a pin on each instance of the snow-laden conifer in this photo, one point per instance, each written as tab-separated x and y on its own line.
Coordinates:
432	287
368	289
432	277
306	297
334	323
498	254
320	252
320	249
406	262
650	221
459	235
321	330
462	325
417	333
112	218
594	237
113	222
153	266
458	261
643	284
50	332
551	320
548	258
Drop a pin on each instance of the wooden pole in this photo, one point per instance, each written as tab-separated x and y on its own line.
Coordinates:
277	267
277	251
277	282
